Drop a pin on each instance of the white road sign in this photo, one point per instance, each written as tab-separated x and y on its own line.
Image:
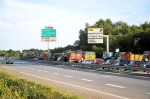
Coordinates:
95	35
91	41
48	39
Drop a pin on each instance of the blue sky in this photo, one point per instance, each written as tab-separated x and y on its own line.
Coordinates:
21	21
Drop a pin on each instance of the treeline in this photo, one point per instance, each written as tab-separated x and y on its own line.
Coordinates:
127	38
10	53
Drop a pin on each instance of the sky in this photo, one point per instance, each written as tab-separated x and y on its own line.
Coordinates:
21	21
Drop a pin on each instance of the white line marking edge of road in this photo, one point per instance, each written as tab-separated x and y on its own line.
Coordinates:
7	68
74	85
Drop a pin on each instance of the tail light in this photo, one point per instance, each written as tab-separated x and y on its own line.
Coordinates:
135	64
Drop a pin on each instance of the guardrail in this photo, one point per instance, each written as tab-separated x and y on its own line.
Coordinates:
95	66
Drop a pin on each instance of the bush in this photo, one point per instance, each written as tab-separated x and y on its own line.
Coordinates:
13	88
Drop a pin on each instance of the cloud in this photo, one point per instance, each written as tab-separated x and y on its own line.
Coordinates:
134	12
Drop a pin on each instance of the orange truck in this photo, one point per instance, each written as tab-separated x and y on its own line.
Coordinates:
73	56
130	56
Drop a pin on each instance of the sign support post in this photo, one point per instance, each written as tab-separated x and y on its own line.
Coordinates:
107	42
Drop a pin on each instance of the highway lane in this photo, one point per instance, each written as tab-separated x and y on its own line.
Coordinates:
99	83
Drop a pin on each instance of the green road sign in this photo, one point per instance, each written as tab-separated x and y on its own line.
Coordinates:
48	33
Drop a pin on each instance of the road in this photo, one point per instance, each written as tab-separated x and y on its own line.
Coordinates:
91	84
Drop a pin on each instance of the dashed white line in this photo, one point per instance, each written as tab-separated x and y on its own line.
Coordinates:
24	67
115	85
29	68
55	73
38	70
33	69
148	93
46	71
86	80
104	75
75	86
68	76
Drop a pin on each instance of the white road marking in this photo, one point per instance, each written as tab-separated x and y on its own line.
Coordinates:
7	68
46	71
75	85
20	62
148	93
115	85
29	68
55	73
33	69
68	76
38	70
86	80
104	75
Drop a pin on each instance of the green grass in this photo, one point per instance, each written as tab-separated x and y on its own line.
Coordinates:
12	87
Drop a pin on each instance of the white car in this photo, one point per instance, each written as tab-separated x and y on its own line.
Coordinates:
87	61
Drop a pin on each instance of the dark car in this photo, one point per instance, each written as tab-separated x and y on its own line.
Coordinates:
148	64
9	61
122	62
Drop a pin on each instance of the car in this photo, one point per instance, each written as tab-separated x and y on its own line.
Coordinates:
9	61
148	64
122	62
98	61
137	63
111	62
86	61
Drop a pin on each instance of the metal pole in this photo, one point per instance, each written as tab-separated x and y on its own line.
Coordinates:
107	43
48	49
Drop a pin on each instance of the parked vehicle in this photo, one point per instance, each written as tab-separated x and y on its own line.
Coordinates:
137	63
122	62
129	56
98	61
148	64
111	62
73	56
85	61
89	55
9	61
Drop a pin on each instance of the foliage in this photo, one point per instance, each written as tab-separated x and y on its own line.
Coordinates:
14	88
127	38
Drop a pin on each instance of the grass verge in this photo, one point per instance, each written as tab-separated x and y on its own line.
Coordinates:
12	87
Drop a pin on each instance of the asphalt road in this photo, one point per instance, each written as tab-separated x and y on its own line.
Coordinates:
89	83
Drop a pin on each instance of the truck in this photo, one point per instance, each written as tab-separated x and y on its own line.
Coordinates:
73	56
88	55
130	56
